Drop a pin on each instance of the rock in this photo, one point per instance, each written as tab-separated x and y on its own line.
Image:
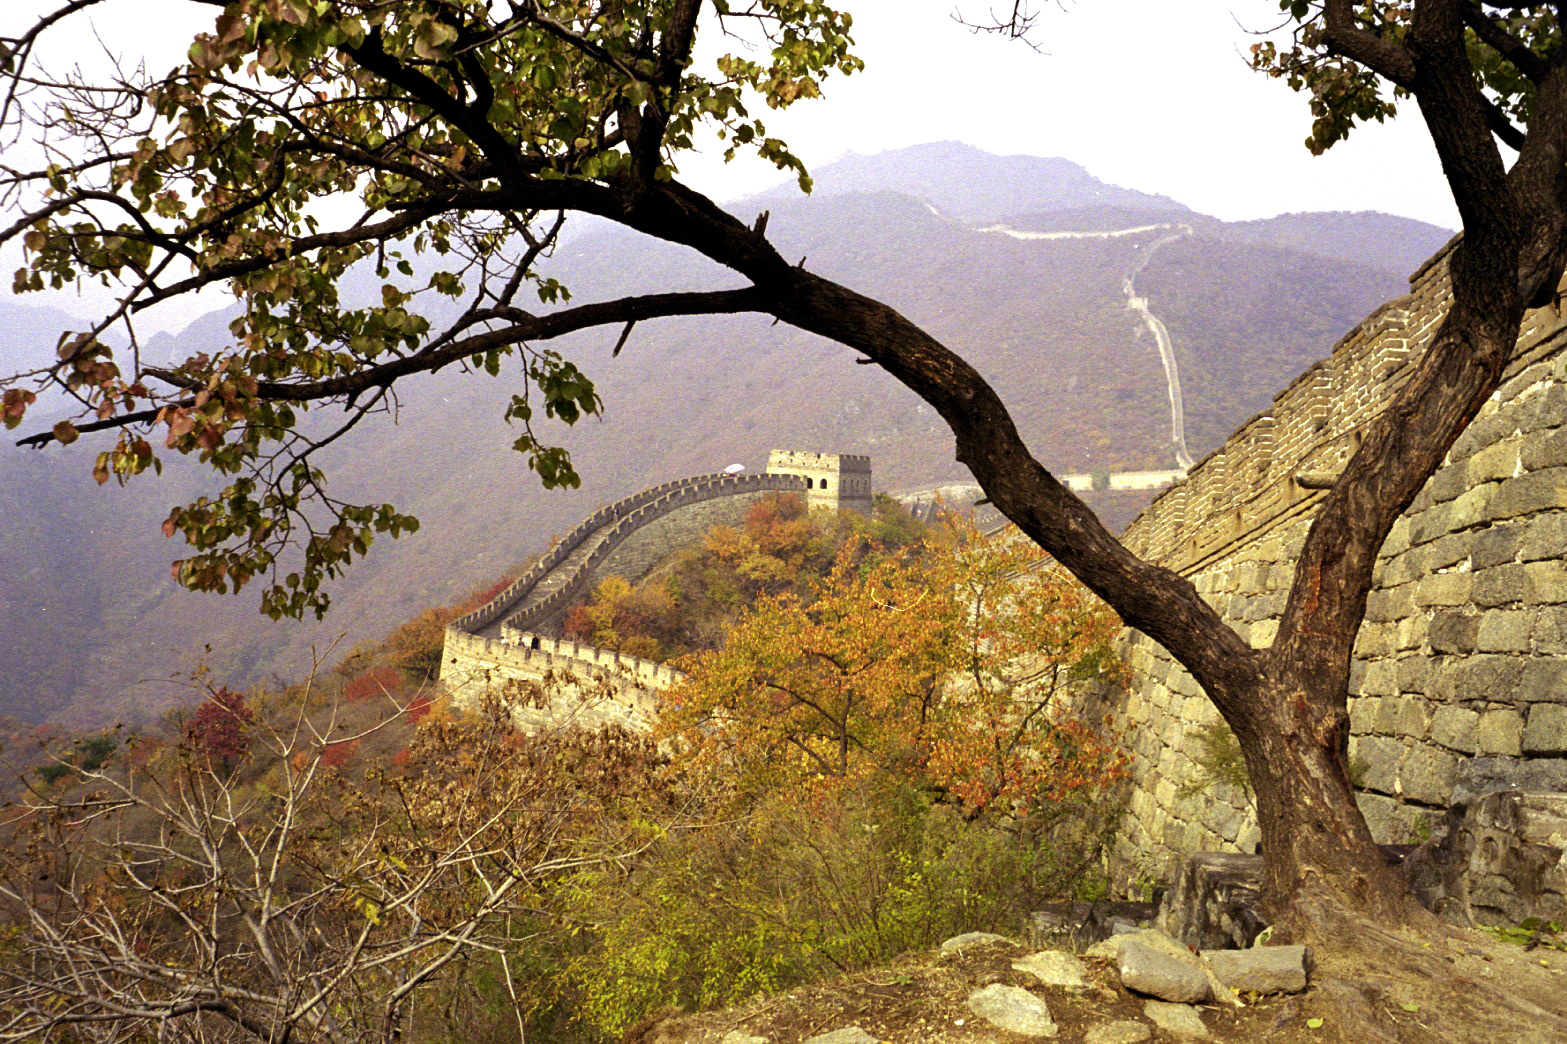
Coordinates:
1265	969
1118	1033
1013	1009
1054	968
1179	1020
847	1035
958	942
1163	975
1153	939
739	1037
1078	925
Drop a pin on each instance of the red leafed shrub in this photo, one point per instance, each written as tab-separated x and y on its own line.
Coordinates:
336	755
377	681
220	728
419	708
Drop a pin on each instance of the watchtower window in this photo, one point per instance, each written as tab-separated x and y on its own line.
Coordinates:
809	484
824	483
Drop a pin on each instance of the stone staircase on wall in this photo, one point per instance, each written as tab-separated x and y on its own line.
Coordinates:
501	640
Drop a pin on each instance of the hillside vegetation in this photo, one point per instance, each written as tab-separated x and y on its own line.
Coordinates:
350	858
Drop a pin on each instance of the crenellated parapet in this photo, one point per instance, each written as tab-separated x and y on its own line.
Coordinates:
507	639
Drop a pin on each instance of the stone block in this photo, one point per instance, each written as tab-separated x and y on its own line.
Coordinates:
1055	968
1013	1009
1500	543
1453	631
1446	484
1263	632
1544	409
1454	728
1381	679
1546	732
1123	1031
1506	584
1428	525
1499	731
1544	490
1443	589
1505	630
1427	775
1550	631
1381	756
1544	537
1382	816
1413	674
1374	640
1542	681
1411	631
1414	715
1546	581
1363	714
1494	462
1443	554
1155	973
1180	1021
1261	969
1473	507
1487	676
1545	451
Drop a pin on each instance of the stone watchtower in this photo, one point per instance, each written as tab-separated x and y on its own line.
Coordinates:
833	480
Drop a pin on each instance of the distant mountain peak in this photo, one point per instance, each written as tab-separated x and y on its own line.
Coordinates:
972	185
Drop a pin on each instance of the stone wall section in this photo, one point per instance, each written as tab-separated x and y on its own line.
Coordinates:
501	641
1459	686
474	665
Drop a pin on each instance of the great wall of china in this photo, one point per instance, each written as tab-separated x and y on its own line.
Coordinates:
504	640
1460	678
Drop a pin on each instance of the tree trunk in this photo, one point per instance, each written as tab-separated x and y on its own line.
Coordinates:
1318	852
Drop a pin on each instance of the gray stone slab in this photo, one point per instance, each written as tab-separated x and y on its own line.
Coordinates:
1013	1009
1054	968
1178	1020
1263	969
1546	732
1162	975
959	942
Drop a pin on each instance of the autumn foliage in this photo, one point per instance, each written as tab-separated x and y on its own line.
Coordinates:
220	727
942	665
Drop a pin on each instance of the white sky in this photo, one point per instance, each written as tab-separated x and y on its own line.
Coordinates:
1153	95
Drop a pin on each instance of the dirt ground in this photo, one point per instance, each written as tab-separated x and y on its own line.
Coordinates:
921	999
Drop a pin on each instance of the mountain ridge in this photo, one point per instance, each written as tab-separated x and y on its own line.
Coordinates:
1047	323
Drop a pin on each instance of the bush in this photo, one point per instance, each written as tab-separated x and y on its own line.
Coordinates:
790	893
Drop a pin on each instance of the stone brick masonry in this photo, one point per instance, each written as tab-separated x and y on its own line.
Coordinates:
1459	686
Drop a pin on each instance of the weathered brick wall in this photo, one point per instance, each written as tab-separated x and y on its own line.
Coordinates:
1460	676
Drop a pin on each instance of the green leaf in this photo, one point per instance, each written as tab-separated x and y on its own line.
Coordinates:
1313	1023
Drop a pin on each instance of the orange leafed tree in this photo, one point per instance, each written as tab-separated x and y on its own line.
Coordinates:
939	666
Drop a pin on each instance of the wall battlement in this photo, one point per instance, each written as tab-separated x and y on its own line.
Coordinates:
507	639
834	481
1459	683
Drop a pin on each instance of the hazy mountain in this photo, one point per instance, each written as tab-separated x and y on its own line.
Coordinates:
968	184
93	625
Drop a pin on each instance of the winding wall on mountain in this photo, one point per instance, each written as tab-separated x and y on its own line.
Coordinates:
507	640
1459	685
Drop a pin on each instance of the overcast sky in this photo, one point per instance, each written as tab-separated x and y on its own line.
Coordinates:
1153	95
